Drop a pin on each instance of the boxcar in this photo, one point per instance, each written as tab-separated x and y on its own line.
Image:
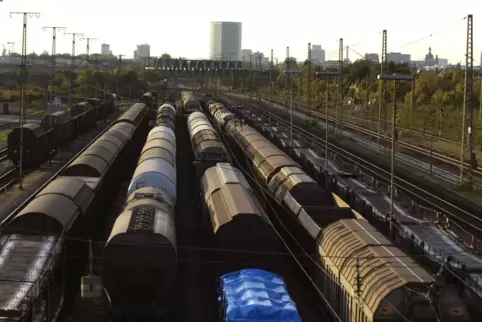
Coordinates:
37	144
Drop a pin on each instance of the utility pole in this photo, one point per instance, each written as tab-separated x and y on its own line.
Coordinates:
23	81
87	52
87	48
271	84
467	107
53	54
72	62
308	81
340	90
383	67
11	47
287	68
120	80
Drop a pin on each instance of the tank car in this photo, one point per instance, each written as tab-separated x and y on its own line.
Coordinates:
190	102
166	115
238	221
140	256
221	115
155	167
37	144
205	142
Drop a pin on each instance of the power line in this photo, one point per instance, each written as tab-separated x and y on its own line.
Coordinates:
23	80
54	54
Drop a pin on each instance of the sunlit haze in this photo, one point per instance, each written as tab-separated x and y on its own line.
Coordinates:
183	28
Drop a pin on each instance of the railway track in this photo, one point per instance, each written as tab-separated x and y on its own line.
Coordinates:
466	222
5	125
420	150
3	154
9	178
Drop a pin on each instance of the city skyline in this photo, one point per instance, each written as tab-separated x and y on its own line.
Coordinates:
261	31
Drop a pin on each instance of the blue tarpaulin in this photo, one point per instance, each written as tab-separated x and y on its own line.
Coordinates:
254	295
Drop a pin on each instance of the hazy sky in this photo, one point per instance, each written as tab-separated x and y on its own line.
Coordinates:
182	28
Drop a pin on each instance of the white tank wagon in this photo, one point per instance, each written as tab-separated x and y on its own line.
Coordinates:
140	256
166	115
156	167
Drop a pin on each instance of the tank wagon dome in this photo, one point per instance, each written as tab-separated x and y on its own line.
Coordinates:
142	242
54	209
381	264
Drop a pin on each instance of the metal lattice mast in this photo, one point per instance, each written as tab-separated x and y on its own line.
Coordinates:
87	48
467	129
308	79
74	37
23	81
383	67
120	80
340	89
54	54
287	75
72	62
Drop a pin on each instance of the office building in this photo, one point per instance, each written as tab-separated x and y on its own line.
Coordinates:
143	52
374	57
317	54
398	58
105	49
225	40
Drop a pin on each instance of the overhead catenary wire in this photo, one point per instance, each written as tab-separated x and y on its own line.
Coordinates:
442	255
275	216
264	192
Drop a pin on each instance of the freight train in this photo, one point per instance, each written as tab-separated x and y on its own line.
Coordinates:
140	256
354	260
41	141
45	241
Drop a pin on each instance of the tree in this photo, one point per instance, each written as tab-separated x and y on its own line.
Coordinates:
165	56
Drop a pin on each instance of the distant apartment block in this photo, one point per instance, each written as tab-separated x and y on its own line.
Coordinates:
398	58
105	50
372	57
225	40
317	54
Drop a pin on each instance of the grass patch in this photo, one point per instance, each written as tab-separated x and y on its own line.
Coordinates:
3	136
